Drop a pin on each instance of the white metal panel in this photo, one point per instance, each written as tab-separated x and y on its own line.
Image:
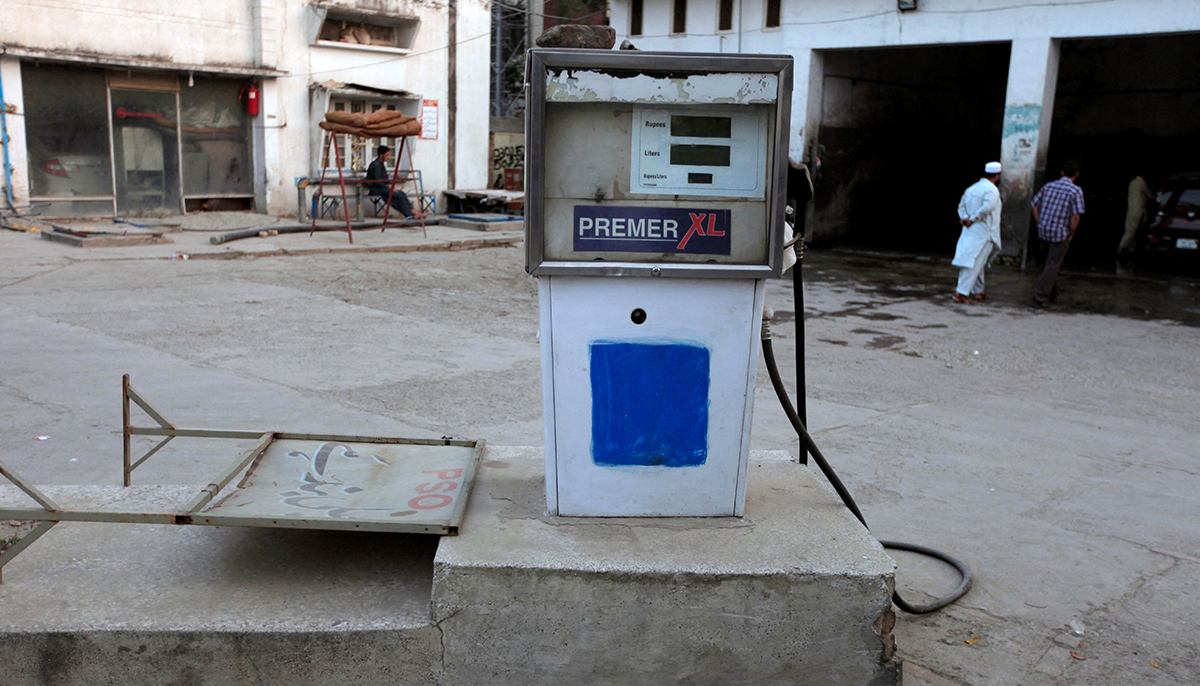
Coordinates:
719	316
388	483
760	294
547	344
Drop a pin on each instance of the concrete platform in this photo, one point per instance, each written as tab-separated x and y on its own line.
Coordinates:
106	241
486	222
794	593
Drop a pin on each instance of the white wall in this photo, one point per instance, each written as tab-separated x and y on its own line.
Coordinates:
216	31
474	86
828	24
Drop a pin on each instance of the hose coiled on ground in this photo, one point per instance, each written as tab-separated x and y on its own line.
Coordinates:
844	494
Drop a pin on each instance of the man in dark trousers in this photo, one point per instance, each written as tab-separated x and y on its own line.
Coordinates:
1057	208
378	183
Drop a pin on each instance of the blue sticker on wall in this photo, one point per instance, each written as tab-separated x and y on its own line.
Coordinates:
649	404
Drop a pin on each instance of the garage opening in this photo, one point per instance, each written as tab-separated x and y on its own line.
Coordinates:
904	131
1123	104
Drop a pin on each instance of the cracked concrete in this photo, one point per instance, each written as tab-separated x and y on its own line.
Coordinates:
1052	451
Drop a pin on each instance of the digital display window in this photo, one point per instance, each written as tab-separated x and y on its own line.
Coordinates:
701	127
713	150
700	155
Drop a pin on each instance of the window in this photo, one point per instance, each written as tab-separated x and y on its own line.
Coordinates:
1189	198
380	31
773	11
725	15
635	18
67	133
679	21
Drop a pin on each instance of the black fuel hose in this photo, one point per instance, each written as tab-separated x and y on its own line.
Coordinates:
806	439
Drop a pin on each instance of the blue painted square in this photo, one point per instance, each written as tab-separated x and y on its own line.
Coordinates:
649	404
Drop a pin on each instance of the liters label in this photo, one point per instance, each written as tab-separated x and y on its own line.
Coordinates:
651	229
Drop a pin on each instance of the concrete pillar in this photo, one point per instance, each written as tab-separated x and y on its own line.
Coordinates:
1028	110
537	22
14	123
264	33
808	99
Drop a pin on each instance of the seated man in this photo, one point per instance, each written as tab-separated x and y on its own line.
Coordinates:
379	181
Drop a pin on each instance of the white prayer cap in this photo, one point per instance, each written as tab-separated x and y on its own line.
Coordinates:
991	168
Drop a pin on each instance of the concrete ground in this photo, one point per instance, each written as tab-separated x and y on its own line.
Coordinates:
1052	451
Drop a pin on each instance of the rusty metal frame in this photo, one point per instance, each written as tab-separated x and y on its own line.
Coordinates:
50	513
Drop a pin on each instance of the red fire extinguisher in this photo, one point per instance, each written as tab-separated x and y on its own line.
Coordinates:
250	93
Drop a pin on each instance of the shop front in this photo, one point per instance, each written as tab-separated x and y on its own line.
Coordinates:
102	142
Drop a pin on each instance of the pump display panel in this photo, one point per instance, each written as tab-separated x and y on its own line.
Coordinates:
660	164
718	153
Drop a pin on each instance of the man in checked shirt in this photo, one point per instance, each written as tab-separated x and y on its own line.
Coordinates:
1056	208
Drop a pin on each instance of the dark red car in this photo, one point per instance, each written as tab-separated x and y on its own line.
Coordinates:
1176	225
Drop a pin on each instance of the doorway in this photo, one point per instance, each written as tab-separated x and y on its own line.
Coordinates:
1124	106
145	152
903	132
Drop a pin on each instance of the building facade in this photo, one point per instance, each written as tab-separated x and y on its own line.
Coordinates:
144	107
899	103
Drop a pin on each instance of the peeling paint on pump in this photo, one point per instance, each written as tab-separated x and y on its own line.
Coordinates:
593	86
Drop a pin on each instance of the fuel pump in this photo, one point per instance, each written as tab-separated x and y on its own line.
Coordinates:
655	210
654	214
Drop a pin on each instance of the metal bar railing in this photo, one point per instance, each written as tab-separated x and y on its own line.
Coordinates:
210	491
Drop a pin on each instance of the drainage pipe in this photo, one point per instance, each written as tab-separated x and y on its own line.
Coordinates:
301	228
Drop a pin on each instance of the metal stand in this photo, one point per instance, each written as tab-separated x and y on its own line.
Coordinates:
392	189
320	186
409	176
427	482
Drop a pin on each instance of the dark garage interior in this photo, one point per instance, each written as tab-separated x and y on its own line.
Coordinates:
1124	103
904	131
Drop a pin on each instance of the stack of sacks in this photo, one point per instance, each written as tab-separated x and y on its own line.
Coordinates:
380	124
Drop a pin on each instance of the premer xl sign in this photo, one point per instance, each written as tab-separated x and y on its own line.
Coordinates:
696	231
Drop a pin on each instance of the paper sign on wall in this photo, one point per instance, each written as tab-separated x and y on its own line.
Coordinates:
429	119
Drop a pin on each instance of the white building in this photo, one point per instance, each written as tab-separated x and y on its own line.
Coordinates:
902	107
143	106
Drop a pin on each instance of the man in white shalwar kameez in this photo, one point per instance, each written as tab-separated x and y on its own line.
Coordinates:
979	214
1137	203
